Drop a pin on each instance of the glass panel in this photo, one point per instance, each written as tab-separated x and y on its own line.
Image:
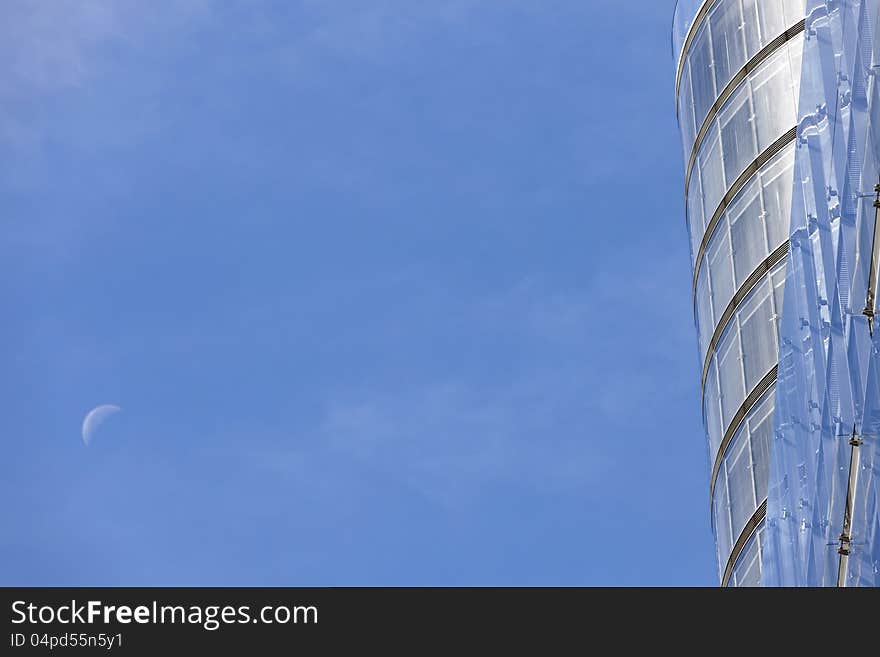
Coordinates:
751	27
740	484
742	477
777	281
728	43
777	180
747	571
695	211
712	410
731	144
682	19
747	233
793	11
720	262
730	379
721	518
737	136
705	323
758	332
702	74
711	171
686	113
761	429
771	20
774	96
796	57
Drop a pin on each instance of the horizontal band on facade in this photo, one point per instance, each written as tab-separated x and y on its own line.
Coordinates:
686	46
735	189
751	399
754	522
778	255
731	86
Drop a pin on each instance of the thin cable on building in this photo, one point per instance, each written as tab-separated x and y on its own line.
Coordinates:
846	535
872	274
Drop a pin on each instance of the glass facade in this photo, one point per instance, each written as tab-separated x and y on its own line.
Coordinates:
774	100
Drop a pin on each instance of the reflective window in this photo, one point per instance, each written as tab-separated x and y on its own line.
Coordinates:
695	216
702	73
777	281
746	351
747	570
760	111
720	264
755	37
728	40
754	225
760	424
728	353
709	160
732	33
712	411
758	332
771	19
705	320
736	121
776	180
741	482
774	90
794	10
686	113
748	234
721	520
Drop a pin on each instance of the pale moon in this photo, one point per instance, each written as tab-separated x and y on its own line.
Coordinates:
94	419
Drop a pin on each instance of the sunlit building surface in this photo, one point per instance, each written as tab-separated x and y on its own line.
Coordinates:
779	112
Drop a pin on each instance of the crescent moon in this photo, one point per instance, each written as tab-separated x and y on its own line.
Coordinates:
95	418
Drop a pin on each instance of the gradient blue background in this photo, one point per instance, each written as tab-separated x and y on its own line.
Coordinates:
391	292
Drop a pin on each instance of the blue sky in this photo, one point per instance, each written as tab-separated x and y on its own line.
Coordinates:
390	292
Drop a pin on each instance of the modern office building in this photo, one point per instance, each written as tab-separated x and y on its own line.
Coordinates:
779	111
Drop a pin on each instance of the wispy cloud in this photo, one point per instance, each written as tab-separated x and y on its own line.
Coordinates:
51	48
46	44
555	422
449	440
